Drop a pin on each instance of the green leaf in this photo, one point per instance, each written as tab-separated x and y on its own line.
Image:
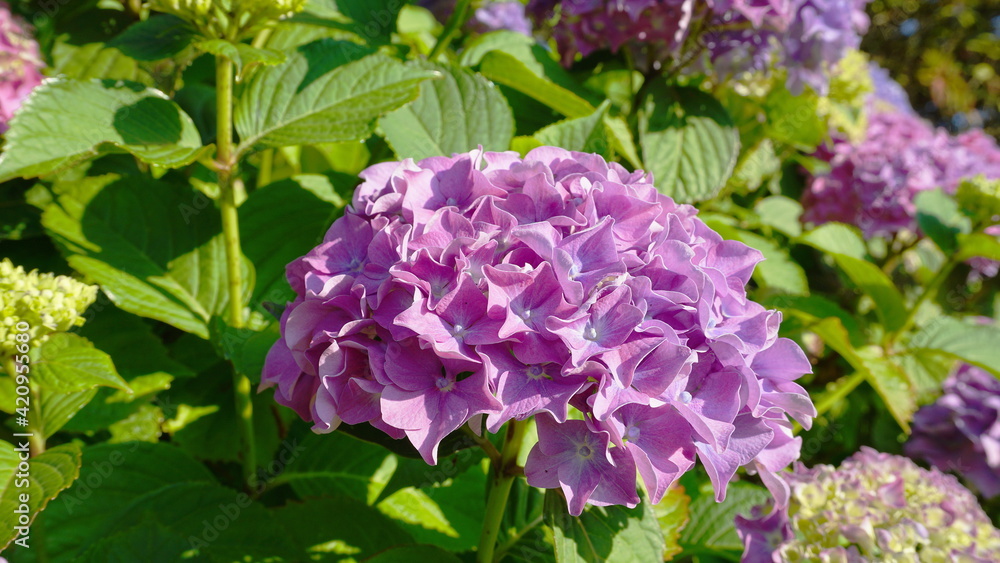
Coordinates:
872	281
621	140
756	166
159	37
271	241
510	42
156	249
325	91
323	469
892	384
505	69
712	524
244	56
927	370
940	218
977	344
456	113
149	541
836	238
813	308
978	244
410	553
583	134
96	60
59	408
794	119
66	122
780	213
349	526
672	514
68	363
48	474
778	270
612	533
688	142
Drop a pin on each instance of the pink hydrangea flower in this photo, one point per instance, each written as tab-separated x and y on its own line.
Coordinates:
20	62
486	287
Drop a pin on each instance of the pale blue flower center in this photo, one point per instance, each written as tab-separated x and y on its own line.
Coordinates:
684	397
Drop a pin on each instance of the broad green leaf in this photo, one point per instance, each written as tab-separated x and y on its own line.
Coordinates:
892	384
372	20
159	37
505	69
60	408
583	134
66	122
325	91
834	335
927	370
977	344
612	533
756	166
978	244
8	461
814	308
48	475
149	542
270	240
712	524
672	514
456	113
940	218
410	553
96	60
349	526
68	363
794	119
244	56
871	280
780	213
156	249
504	40
622	141
836	238
778	270
688	142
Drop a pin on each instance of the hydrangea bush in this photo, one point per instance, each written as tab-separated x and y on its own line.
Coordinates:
874	507
489	288
513	281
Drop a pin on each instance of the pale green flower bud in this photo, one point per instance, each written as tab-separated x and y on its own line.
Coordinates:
228	19
42	303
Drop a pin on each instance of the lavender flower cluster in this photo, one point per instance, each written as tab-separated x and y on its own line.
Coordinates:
488	16
485	288
806	37
873	183
874	507
961	431
20	62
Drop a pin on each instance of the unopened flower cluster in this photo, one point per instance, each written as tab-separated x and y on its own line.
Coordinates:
806	37
875	507
47	303
20	62
960	431
873	183
229	19
485	288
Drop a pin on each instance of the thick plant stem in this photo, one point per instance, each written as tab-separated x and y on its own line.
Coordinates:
36	442
503	478
226	167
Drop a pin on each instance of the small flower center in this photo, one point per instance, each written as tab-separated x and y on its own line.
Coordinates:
536	372
451	201
632	434
459	331
585	451
443	383
684	397
590	333
525	314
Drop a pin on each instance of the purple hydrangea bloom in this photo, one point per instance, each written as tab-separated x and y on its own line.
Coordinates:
874	507
490	16
960	432
20	62
872	184
806	37
888	92
485	288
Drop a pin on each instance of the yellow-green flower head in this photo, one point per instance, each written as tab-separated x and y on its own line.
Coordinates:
844	107
41	303
981	197
874	507
229	19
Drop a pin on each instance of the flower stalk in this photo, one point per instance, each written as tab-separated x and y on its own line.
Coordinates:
504	474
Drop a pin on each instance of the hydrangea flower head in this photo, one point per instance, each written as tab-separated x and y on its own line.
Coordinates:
20	62
874	507
485	288
47	303
960	431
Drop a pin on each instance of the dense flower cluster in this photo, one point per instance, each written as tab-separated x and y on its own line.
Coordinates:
20	62
47	303
489	16
960	432
873	183
875	507
806	37
487	288
228	18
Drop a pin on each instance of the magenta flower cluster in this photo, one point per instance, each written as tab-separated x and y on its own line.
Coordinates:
960	431
485	288
20	62
873	183
806	37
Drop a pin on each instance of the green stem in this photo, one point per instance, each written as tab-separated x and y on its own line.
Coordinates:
842	391
504	474
226	167
929	292
484	444
451	27
266	167
36	442
513	539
